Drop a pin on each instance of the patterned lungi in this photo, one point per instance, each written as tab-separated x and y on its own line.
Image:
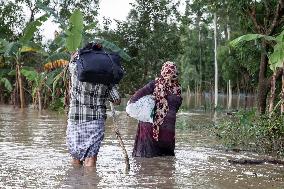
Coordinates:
84	140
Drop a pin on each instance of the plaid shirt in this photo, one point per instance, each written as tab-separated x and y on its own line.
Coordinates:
87	100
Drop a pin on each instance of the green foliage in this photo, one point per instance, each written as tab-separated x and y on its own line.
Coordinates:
3	44
276	58
149	37
51	12
30	74
74	33
250	37
58	56
56	82
36	79
11	17
31	28
111	46
153	33
12	49
239	65
4	80
6	84
250	131
57	105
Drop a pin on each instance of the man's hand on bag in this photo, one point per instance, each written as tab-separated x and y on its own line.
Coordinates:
73	55
116	102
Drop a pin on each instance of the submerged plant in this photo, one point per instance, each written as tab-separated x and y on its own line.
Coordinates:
250	131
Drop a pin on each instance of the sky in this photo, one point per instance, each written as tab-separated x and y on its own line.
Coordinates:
113	9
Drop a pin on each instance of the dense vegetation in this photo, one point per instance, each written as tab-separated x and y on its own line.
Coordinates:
250	131
155	31
196	34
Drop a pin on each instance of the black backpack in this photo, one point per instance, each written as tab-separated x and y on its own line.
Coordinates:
98	66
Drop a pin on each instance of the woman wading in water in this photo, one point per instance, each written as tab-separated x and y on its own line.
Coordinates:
158	139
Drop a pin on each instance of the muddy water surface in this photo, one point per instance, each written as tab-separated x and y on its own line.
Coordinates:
33	155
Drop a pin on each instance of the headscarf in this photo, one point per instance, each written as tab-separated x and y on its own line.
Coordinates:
166	84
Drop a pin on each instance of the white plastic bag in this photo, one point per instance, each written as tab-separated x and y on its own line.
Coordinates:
142	109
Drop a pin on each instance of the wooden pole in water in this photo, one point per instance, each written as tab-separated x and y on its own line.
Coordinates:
118	136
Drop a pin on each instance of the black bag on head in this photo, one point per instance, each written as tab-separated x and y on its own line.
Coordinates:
95	65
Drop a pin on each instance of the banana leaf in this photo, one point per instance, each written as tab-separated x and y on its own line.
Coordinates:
31	28
74	33
11	49
111	46
7	84
250	37
58	56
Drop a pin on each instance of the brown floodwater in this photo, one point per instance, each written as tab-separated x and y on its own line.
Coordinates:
33	155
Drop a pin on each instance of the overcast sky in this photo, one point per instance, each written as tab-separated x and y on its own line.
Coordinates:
113	9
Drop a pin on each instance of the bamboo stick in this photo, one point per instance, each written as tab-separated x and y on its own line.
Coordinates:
118	136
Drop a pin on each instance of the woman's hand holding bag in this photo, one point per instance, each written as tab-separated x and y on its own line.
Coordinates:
143	109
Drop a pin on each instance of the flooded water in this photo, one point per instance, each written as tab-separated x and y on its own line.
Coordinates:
33	155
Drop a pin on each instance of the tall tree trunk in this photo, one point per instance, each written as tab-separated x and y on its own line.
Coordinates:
39	100
282	91
194	93
21	88
2	96
229	95
239	95
230	86
200	57
265	29
15	97
272	93
262	85
215	62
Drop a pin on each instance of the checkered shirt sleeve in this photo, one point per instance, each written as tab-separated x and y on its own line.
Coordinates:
88	100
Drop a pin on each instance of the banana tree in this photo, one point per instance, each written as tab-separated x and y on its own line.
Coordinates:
14	51
37	81
276	62
73	38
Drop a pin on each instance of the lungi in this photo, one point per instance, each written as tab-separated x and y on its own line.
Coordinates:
84	140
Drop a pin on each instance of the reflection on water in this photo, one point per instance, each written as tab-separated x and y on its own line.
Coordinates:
33	155
205	101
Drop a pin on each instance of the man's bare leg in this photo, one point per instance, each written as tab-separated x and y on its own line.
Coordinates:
90	162
76	162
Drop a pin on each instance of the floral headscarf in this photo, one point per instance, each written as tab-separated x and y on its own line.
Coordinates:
166	84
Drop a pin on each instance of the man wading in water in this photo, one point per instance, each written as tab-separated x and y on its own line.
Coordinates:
87	115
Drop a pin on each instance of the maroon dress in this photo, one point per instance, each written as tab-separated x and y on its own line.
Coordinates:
145	145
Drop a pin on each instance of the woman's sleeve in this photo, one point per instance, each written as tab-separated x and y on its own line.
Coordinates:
146	90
